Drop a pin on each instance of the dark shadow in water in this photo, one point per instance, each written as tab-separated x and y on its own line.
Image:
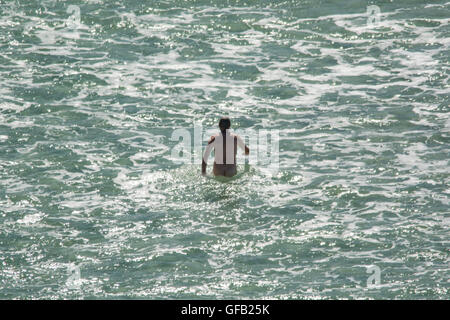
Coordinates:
228	189
228	179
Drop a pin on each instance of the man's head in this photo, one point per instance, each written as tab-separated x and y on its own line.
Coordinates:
224	123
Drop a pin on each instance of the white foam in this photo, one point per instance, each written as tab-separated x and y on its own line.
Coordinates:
31	218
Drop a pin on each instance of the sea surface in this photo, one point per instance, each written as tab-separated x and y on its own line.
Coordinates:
94	204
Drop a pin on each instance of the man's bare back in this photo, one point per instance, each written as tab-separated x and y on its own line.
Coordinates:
225	148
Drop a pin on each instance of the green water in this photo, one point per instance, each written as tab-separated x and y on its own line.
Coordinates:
93	205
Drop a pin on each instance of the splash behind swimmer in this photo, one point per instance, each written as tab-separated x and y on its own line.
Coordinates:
225	148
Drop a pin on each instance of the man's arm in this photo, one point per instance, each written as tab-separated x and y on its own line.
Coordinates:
204	164
242	145
207	153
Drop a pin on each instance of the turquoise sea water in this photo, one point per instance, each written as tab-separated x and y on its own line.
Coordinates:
92	204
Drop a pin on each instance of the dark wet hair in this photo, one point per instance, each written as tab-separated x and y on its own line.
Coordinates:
224	123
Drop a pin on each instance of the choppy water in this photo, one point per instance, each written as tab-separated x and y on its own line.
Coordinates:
92	204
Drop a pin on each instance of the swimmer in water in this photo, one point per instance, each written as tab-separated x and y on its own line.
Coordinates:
225	148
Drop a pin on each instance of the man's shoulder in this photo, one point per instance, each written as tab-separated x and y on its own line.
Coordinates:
211	140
